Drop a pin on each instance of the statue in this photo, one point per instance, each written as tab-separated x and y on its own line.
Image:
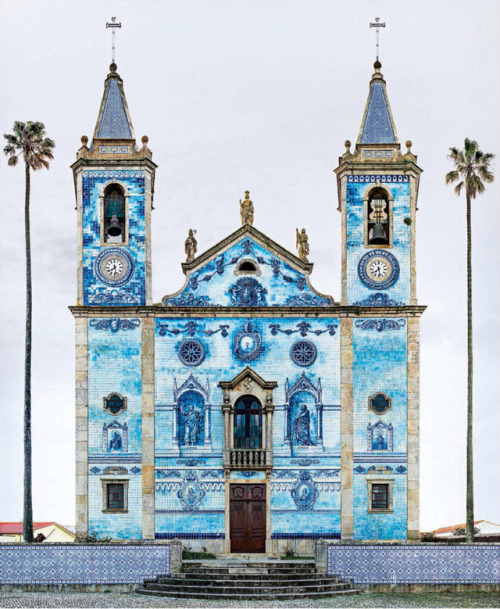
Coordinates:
192	426
190	245
302	244
380	443
301	427
115	442
246	209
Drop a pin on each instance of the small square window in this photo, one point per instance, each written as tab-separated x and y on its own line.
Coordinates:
116	497
380	496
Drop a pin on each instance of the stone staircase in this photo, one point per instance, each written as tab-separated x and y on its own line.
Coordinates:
247	579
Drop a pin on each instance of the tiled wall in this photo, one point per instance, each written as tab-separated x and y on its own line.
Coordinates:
82	564
179	466
356	188
115	366
416	564
96	292
379	366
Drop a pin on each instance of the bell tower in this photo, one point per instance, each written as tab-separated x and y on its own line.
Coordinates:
114	183
380	338
378	191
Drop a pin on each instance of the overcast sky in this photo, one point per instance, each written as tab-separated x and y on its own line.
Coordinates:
256	95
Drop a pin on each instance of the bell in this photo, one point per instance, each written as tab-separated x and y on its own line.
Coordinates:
378	236
114	229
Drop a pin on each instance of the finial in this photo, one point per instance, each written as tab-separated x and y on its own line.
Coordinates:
246	209
347	145
113	67
408	146
144	140
377	65
113	25
377	25
85	140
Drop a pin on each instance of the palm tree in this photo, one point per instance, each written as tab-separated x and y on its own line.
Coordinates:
472	168
29	140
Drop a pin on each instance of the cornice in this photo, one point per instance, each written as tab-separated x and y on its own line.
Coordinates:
158	310
138	161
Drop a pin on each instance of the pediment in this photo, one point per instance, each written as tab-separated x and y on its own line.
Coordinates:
246	380
216	278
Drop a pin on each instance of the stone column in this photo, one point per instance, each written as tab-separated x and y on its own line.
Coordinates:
81	395
413	423
148	429
346	429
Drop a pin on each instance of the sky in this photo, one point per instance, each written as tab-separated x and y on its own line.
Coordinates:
258	95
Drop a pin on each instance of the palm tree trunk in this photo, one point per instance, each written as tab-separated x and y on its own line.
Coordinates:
470	481
28	506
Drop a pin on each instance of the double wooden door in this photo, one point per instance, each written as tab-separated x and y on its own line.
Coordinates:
248	517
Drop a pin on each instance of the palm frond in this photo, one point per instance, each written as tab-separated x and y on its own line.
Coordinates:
451	176
458	188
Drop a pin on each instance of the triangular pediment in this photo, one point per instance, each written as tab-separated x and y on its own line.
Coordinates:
244	381
219	278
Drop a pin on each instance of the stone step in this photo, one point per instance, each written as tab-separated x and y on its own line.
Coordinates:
215	571
264	589
250	580
188	583
249	596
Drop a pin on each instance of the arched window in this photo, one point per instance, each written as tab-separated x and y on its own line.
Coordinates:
247	423
378	216
114	214
247	266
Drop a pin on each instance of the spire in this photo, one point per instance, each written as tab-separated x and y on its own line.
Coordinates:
377	126
113	122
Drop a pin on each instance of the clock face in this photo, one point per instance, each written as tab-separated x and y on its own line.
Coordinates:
114	266
378	269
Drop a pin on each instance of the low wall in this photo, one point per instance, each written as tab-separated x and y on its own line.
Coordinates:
411	564
86	564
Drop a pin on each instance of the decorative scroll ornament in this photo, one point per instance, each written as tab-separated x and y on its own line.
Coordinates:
113	298
190	493
380	324
247	292
379	300
188	300
114	324
304	328
306	300
304	493
190	328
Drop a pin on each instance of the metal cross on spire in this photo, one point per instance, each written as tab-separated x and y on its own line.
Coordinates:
113	25
377	25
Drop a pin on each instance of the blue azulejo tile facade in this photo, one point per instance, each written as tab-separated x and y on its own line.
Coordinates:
98	289
246	411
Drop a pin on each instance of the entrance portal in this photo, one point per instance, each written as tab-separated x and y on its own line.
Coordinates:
248	517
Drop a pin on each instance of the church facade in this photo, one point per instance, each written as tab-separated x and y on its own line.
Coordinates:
246	412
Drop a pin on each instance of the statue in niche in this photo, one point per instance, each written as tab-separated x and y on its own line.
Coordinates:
302	244
192	426
246	209
379	442
116	441
301	430
190	245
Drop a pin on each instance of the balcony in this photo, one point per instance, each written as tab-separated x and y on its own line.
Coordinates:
248	458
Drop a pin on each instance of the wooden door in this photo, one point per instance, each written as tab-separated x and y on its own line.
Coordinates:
248	517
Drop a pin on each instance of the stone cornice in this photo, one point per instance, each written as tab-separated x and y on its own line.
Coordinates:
113	163
245	312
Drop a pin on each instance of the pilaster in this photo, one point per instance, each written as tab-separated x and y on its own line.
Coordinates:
346	429
413	423
148	429
81	398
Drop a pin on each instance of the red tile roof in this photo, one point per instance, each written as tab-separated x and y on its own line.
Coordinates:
452	528
16	528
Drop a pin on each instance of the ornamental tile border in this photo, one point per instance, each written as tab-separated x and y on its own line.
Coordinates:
415	564
378	178
82	564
